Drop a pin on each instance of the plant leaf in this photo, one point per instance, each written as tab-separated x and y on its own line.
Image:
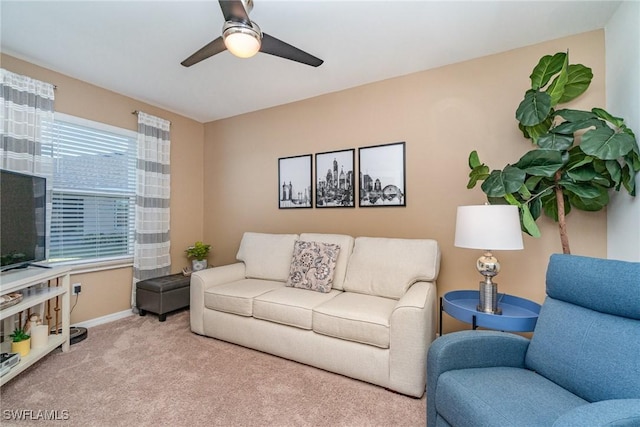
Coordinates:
556	88
606	144
524	192
546	68
625	129
584	174
575	115
604	115
535	132
628	180
510	198
540	162
474	160
501	182
590	203
554	141
602	181
550	206
535	207
579	79
577	158
569	128
584	190
615	171
497	201
528	223
634	159
532	182
534	108
479	173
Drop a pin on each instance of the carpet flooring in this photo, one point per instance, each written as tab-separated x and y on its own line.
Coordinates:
138	371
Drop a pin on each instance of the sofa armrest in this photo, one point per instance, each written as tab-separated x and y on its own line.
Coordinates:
205	279
617	412
412	329
470	349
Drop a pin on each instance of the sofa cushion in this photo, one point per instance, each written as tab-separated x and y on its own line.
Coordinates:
355	317
237	297
346	247
388	267
313	265
501	396
290	306
267	256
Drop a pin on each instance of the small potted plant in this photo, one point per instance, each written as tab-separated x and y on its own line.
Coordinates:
20	342
198	252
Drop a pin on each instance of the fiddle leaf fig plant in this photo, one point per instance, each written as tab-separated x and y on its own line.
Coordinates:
578	156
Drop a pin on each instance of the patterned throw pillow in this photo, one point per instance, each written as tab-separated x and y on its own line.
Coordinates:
313	265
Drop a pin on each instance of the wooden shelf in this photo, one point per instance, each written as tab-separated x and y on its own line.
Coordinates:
31	298
34	355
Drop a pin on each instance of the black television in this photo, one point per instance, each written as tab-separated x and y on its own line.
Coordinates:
22	219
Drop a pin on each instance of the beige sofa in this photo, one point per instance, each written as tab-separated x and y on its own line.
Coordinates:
375	324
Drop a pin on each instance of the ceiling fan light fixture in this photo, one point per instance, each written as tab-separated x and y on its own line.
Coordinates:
242	40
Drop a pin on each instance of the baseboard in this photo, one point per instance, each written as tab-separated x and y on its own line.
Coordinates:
104	319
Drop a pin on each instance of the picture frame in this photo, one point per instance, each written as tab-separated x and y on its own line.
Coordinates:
295	182
335	179
382	175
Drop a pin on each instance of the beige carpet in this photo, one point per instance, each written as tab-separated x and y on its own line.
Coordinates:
138	371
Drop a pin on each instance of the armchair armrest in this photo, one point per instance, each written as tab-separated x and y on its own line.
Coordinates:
205	279
470	349
618	412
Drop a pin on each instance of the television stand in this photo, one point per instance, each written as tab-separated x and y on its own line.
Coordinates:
43	290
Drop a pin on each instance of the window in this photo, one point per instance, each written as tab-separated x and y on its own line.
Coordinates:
94	186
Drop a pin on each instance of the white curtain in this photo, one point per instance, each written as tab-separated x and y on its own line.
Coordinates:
26	114
151	249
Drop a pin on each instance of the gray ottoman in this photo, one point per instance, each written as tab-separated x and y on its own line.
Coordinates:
162	295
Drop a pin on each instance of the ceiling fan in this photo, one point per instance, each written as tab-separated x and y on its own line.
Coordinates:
243	38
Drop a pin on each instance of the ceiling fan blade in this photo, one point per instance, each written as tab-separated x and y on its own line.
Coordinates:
273	46
233	10
207	51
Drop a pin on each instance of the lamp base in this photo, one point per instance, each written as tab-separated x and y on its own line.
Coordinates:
488	298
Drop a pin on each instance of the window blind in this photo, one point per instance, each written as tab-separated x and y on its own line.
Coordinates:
94	185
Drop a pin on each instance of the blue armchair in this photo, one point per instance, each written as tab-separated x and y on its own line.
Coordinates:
581	367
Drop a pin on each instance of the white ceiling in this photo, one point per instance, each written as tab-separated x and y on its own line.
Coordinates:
135	47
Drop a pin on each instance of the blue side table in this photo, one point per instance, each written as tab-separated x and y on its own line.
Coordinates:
518	314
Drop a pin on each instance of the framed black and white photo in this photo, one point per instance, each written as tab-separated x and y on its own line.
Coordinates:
294	182
382	179
335	179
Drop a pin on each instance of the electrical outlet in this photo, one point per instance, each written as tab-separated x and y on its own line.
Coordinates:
76	288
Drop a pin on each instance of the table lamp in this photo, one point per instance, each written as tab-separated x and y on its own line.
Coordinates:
488	227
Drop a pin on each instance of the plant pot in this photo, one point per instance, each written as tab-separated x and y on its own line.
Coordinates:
197	265
22	347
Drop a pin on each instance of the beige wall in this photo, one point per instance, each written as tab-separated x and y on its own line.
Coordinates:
108	292
442	114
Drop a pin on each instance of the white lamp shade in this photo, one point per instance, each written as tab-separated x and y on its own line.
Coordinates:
488	227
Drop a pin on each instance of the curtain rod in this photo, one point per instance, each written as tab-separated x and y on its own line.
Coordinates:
137	111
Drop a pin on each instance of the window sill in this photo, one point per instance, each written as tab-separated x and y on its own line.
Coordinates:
92	266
